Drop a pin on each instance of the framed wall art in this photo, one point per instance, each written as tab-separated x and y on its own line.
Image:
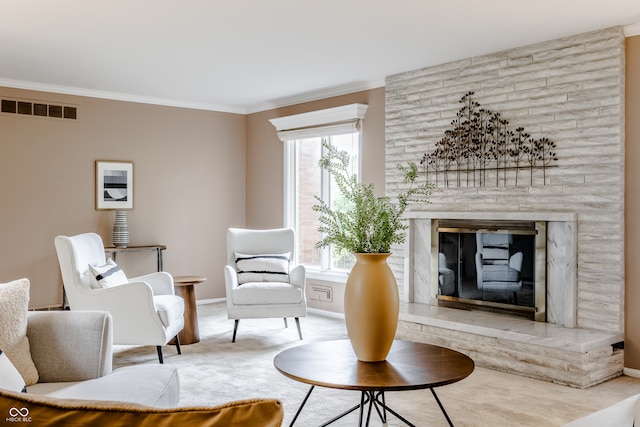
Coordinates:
114	184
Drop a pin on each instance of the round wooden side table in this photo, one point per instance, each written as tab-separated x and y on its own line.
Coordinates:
184	286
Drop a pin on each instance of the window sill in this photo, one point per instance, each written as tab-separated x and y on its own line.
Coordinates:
327	276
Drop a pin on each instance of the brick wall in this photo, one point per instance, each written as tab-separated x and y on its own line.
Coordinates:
309	185
569	90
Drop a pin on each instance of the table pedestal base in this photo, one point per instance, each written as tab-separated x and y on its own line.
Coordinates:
374	399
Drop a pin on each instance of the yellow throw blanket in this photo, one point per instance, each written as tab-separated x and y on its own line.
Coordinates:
43	411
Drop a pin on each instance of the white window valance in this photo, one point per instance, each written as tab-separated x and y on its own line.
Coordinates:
327	122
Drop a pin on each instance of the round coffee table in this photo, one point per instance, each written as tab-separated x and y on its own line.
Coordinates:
409	366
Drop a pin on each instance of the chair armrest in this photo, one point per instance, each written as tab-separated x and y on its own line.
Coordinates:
230	283
133	309
70	345
297	277
161	282
230	278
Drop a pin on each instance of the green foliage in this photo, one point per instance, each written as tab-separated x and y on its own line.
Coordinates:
367	224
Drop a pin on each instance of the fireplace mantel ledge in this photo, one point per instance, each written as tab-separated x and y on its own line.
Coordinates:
492	215
509	328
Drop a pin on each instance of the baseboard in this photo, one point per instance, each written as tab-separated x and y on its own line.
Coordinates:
325	313
635	373
209	301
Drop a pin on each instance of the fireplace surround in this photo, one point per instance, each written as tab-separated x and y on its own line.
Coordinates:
497	266
558	258
570	90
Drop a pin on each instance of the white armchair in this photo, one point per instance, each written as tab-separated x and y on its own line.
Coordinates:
145	310
263	287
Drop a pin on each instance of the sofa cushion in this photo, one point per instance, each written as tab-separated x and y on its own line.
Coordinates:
45	411
107	275
14	305
170	308
150	385
10	378
267	293
262	267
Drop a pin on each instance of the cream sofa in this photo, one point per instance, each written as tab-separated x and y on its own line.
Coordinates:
72	352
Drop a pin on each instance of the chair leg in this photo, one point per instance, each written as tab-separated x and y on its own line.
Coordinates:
235	329
285	323
176	340
160	354
299	330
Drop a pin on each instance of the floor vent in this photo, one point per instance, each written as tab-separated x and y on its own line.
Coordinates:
29	108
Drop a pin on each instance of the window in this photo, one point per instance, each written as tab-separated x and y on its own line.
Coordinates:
303	136
307	180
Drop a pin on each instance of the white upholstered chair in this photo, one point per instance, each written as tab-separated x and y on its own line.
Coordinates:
144	309
260	286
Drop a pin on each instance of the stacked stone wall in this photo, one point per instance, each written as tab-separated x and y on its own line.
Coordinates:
570	90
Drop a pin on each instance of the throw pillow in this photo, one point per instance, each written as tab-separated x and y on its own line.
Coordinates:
14	305
10	378
106	276
262	267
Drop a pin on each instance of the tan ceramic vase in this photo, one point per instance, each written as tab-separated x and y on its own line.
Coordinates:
371	306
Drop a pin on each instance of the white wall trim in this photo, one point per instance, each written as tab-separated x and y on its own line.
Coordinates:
316	95
115	96
325	313
127	97
635	373
209	301
631	30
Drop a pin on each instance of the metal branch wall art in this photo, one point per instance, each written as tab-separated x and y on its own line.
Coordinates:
481	149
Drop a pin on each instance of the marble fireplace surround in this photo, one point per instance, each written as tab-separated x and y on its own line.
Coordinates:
555	350
561	258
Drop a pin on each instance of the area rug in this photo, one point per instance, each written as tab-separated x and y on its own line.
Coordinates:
216	371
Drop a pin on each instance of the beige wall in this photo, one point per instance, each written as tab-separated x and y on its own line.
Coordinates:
632	205
189	181
265	154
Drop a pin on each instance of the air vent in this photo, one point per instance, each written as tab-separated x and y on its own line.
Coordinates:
40	109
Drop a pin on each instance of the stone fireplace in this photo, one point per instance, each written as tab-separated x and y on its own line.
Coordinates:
570	91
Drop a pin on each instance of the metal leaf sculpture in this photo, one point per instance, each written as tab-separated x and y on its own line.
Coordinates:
481	146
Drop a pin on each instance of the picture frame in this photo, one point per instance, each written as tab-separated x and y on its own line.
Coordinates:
114	184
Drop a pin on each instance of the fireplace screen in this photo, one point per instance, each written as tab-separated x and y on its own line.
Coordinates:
490	265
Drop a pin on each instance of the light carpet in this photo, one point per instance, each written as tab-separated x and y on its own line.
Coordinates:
216	371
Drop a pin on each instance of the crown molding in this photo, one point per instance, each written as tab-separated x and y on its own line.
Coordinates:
315	95
115	96
269	105
631	30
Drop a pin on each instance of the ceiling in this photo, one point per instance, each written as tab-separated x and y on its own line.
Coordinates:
244	56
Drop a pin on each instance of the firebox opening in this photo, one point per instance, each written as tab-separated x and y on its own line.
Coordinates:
492	265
